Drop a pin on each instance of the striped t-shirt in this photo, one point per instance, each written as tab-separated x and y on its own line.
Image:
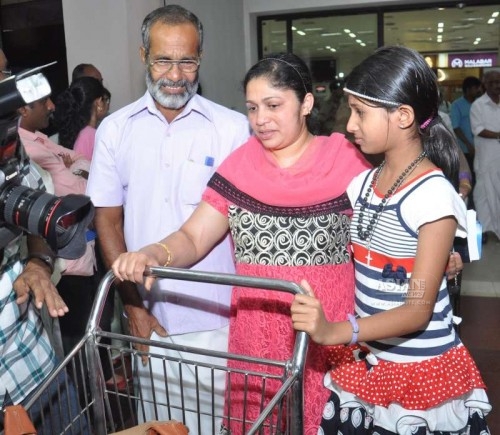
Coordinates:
384	262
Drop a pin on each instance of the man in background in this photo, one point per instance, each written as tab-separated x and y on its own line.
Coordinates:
460	121
151	163
460	116
86	70
27	356
485	125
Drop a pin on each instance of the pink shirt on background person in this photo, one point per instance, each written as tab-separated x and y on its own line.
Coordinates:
84	143
47	154
158	171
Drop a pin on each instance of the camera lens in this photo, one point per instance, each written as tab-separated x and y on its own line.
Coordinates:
27	208
60	220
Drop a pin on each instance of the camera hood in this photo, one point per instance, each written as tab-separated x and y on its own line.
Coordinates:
70	221
23	88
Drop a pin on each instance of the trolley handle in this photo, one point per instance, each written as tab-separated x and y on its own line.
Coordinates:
196	276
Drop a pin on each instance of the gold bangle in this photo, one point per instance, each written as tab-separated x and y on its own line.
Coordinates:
169	254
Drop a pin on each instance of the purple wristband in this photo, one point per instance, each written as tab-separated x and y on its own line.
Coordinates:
465	176
355	329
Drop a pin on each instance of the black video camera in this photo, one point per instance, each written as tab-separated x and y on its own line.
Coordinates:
62	221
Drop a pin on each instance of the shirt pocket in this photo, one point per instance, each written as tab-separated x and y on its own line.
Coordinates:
194	179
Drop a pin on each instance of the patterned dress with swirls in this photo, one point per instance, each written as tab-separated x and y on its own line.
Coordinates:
289	224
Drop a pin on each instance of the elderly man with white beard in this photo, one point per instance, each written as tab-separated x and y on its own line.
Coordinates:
151	163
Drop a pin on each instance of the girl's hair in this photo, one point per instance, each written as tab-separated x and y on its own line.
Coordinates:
74	108
395	75
284	71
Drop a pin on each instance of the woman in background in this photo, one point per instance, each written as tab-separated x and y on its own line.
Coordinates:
79	110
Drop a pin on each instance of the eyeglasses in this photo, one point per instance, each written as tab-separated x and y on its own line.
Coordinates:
162	66
6	72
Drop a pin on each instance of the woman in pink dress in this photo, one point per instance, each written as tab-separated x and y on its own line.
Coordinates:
282	196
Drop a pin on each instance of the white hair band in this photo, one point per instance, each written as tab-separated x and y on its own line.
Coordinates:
367	97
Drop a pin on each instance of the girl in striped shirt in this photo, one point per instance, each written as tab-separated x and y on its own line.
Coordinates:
405	370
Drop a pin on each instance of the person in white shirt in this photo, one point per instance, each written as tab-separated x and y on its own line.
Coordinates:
485	125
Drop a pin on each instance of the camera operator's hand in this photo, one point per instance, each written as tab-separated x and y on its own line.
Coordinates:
35	279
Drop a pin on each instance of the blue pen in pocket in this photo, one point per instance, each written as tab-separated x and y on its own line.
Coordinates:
209	161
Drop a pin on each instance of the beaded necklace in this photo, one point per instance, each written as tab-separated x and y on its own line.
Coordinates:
367	233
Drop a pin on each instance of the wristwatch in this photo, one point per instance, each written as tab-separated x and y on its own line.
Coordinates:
46	258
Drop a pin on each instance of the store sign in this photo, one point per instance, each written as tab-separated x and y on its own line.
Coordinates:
472	60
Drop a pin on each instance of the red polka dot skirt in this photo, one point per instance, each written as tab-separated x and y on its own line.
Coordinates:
417	385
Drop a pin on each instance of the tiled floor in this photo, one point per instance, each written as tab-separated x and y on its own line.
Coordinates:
482	277
480	328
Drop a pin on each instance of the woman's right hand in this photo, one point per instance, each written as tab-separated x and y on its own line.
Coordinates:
130	266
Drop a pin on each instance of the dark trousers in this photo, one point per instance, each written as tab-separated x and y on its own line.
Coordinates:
78	292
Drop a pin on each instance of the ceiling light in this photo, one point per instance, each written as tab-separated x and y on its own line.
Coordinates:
333	50
420	29
294	28
301	33
314	29
347	31
495	14
331	34
352	35
440	30
440	24
491	21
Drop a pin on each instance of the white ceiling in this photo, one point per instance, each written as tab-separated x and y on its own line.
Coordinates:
416	29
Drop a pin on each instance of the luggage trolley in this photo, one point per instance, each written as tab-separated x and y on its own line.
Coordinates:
95	407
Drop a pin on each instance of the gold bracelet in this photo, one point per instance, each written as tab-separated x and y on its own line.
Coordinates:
169	254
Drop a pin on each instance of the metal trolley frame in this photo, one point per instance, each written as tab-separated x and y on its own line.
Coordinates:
103	409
